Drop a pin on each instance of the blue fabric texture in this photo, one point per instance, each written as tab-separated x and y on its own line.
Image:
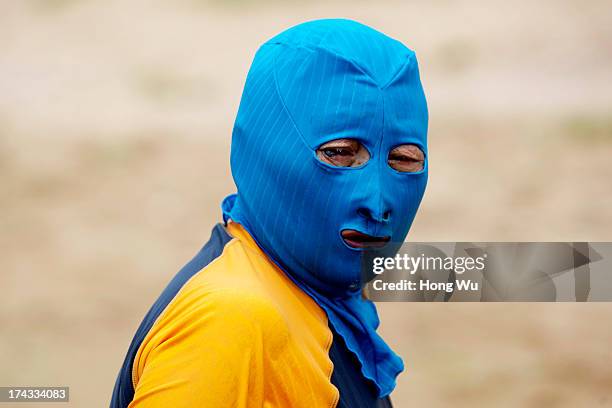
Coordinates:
313	83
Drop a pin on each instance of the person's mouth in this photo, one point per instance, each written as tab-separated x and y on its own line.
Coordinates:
356	239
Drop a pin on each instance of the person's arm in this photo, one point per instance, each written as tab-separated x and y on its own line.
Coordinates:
206	351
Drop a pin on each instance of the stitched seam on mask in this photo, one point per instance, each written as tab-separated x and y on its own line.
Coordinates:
380	160
299	43
312	49
399	71
282	101
330	50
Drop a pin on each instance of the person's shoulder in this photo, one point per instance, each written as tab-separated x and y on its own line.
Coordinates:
232	304
236	275
232	292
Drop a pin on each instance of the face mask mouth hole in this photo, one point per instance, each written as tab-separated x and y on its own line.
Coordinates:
359	240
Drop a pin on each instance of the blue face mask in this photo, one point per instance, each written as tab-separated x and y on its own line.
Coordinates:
316	82
311	84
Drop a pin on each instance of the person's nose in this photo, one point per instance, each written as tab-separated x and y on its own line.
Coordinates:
381	215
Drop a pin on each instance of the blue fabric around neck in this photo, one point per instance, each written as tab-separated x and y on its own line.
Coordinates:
316	82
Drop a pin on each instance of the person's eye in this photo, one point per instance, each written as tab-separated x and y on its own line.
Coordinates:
343	153
336	151
407	158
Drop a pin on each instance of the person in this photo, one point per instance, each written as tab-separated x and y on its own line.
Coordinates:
329	157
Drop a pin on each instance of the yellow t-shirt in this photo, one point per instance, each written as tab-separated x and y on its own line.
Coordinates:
238	333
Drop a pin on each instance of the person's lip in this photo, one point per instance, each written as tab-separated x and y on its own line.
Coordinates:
356	239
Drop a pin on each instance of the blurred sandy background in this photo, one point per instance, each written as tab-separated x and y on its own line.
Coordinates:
115	122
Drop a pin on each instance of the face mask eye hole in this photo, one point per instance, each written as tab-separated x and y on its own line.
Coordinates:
343	153
406	158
